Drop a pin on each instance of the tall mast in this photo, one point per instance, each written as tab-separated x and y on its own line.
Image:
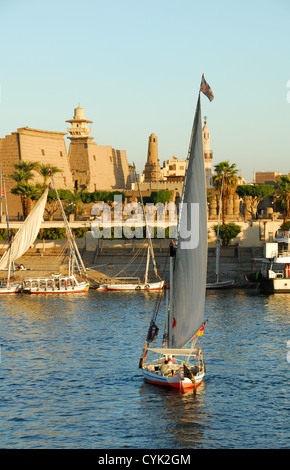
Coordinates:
147	227
147	265
8	227
71	239
1	189
218	242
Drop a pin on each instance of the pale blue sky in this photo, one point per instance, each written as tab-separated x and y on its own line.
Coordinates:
135	67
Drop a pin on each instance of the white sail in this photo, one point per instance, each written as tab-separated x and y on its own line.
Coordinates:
26	234
190	262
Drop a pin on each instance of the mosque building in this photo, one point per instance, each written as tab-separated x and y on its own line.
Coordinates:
173	170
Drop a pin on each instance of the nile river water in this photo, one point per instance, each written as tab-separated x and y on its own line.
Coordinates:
69	375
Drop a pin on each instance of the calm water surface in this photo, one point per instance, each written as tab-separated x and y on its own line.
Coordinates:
69	375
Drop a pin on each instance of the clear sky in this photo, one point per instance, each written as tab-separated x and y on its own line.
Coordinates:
135	67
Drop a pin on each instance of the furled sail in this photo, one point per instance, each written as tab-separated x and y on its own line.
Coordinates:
26	234
190	263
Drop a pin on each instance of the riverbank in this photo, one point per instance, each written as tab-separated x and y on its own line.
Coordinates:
108	258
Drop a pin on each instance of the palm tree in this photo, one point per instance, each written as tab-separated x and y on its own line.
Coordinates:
225	180
46	170
282	197
74	205
22	175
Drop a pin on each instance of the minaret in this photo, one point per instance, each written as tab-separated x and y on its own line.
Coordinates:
79	149
208	154
79	124
152	168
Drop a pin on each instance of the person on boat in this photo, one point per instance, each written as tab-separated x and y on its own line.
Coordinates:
172	248
166	367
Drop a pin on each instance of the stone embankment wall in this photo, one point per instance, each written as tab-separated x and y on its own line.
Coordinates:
105	259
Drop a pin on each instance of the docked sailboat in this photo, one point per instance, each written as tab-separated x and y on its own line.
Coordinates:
135	284
180	364
58	283
11	286
219	284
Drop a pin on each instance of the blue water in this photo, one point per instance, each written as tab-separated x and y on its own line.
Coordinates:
69	375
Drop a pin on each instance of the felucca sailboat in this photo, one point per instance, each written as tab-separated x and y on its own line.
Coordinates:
135	284
23	239
132	284
57	283
180	364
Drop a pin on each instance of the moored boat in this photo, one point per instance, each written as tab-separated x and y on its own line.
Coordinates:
26	235
220	285
18	245
274	275
55	284
127	284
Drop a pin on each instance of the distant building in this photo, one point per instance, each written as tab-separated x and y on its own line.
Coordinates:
173	170
152	171
267	177
33	145
208	155
95	167
87	165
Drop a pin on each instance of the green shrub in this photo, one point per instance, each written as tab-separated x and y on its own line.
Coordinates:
52	233
227	232
80	232
4	233
285	225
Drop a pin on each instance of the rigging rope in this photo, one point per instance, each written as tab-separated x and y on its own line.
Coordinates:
130	262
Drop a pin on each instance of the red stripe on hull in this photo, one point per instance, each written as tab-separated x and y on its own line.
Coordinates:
11	292
177	385
127	290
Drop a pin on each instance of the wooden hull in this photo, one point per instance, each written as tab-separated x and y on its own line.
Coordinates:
275	285
175	382
132	287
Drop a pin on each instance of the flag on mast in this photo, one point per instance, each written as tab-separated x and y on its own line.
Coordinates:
205	88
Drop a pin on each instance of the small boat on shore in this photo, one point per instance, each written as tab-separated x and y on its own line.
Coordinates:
134	283
18	245
126	284
188	265
24	238
55	284
59	284
220	285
